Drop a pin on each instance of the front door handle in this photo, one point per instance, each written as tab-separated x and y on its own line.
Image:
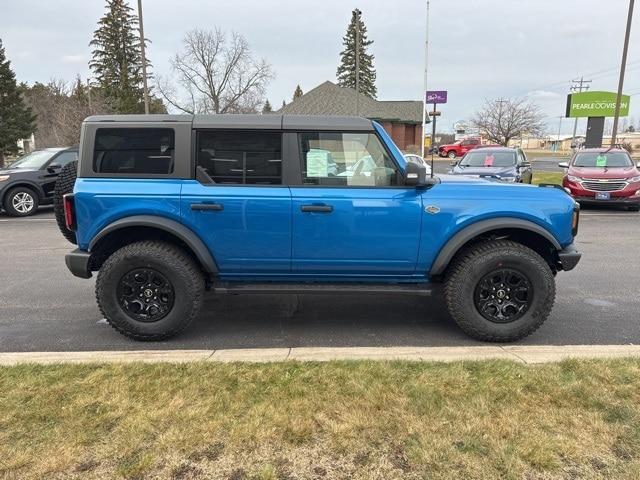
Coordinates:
207	206
317	208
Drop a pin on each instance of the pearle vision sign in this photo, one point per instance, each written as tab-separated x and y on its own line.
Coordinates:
595	104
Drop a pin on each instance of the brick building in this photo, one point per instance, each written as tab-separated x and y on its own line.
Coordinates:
401	119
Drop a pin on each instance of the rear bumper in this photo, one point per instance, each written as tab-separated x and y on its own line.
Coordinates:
569	257
78	263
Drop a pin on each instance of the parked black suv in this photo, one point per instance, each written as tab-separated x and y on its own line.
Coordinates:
30	180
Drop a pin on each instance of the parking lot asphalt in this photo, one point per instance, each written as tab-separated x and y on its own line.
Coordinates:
44	308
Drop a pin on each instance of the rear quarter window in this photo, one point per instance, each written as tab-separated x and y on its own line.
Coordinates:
134	151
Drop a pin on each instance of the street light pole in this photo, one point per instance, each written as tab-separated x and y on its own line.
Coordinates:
559	128
622	69
144	59
424	89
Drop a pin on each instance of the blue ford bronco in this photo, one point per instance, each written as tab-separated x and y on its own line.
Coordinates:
167	207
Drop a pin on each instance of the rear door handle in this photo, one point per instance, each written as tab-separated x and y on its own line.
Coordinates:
317	208
207	206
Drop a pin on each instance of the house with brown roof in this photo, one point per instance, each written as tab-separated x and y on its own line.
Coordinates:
401	119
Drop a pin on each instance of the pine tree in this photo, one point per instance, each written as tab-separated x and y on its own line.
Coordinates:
117	60
298	93
16	118
267	108
346	72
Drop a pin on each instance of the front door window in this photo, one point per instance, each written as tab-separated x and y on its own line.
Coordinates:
345	159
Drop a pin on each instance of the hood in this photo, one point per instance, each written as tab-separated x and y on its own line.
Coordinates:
10	171
502	171
611	172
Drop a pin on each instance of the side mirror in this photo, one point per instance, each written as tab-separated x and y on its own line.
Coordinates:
415	175
525	165
54	167
453	163
563	164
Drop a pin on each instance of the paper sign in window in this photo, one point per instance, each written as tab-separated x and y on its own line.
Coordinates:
488	161
601	161
318	163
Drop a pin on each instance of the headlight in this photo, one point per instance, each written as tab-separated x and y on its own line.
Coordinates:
509	179
4	177
573	179
632	180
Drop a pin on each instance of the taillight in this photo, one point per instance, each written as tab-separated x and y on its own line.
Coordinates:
576	220
69	212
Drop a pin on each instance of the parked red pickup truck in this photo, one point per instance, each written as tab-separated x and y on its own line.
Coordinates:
459	148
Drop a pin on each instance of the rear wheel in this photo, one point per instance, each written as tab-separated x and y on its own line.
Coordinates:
451	154
149	290
634	208
21	202
64	184
499	291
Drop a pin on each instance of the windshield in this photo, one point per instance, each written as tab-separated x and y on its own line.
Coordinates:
483	158
34	160
602	160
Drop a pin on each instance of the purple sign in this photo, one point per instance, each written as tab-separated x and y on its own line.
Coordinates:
436	96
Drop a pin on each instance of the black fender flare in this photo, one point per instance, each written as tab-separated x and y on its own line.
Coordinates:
463	236
173	227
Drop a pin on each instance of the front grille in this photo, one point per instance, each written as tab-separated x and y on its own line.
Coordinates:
599	186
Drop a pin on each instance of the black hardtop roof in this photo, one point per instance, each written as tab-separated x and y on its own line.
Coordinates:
247	121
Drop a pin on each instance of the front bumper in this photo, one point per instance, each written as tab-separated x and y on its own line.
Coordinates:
634	200
78	263
569	257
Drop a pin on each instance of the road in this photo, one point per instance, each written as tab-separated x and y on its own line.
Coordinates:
44	308
544	164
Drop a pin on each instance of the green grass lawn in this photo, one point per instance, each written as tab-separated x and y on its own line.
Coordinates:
362	420
547	177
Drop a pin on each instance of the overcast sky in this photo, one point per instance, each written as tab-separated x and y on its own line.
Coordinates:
478	48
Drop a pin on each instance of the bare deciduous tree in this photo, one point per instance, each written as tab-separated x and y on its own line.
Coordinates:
501	120
60	108
217	73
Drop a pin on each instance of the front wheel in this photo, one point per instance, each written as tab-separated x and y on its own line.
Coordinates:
21	202
499	291
451	154
149	290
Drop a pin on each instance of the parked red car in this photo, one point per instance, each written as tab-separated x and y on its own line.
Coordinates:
603	176
459	148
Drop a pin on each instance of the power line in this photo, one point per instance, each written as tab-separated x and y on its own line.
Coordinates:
578	86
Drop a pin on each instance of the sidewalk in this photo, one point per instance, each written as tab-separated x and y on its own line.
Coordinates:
521	354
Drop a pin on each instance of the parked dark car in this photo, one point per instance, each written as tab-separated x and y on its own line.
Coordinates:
30	180
500	163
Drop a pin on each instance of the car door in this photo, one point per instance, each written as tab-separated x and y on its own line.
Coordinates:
359	223
238	203
49	173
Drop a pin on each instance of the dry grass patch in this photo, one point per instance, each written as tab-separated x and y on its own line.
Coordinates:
577	419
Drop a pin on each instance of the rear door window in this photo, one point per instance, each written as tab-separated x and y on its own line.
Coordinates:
125	151
241	157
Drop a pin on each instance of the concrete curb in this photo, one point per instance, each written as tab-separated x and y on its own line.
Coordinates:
521	354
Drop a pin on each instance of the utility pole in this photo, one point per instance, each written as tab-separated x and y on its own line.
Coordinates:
559	128
622	69
424	90
357	62
578	86
144	59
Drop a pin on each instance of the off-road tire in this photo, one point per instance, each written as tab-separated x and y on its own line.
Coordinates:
174	264
451	154
473	264
8	201
64	184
